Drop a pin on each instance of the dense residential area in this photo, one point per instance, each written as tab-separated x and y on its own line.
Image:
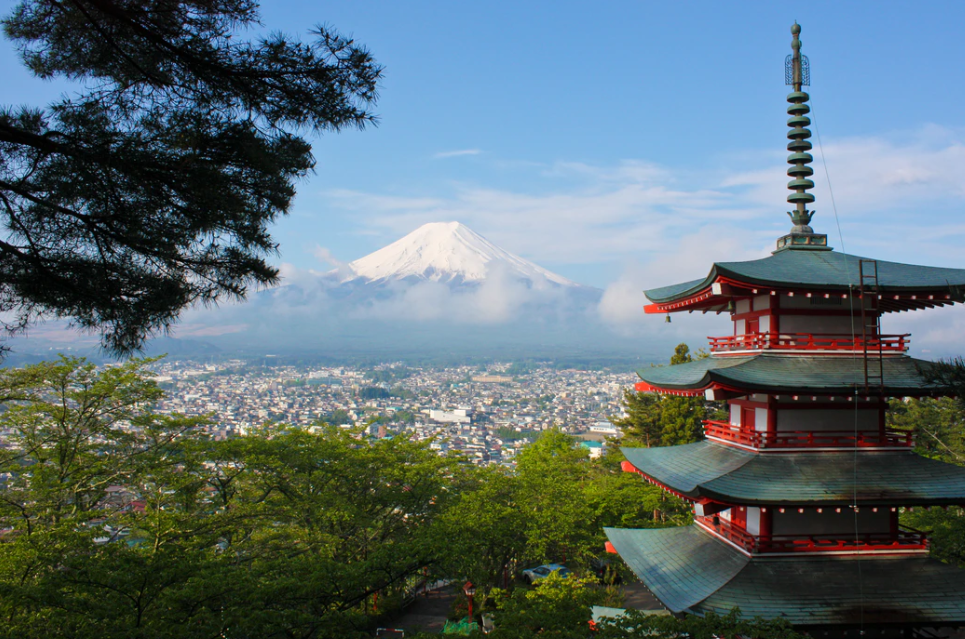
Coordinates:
486	413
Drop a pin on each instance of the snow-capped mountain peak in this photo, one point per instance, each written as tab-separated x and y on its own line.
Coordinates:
447	252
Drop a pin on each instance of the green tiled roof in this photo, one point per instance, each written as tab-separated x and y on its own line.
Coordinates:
664	559
792	374
819	269
731	475
691	571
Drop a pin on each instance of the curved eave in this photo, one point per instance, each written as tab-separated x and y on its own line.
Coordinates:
689	570
786	375
901	287
708	471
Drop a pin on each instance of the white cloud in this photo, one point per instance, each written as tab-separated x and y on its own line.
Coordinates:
455	154
326	256
634	208
690	258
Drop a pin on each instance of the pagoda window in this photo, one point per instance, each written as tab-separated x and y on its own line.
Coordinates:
830	419
837	522
821	324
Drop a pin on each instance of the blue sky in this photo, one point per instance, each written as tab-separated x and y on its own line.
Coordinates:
626	145
629	117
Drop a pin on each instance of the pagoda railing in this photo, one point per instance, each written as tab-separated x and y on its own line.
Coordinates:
905	539
809	342
808	438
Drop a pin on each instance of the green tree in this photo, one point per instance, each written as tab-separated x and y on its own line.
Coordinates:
557	608
938	425
660	420
640	424
681	355
681	420
153	187
552	473
484	531
118	522
102	532
939	430
560	608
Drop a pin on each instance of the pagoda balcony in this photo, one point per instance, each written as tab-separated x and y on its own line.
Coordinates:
729	433
905	540
808	343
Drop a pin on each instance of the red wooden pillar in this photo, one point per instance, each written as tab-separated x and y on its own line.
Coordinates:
771	418
775	324
767	524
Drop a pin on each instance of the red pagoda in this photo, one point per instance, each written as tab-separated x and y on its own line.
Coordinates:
797	496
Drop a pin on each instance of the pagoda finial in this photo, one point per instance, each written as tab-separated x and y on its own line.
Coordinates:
797	73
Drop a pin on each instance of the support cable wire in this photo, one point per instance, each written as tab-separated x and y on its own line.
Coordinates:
854	357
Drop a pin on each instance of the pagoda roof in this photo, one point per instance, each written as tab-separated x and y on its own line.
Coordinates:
690	570
810	270
708	470
790	374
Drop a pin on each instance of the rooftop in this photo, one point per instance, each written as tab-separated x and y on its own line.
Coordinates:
689	570
901	286
707	470
787	374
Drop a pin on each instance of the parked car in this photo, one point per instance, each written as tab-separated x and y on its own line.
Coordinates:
532	575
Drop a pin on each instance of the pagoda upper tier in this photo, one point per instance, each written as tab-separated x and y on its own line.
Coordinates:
809	272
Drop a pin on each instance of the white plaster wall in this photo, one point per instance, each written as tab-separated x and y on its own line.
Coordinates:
760	419
790	522
753	520
762	302
765	325
743	306
735	415
816	420
740	327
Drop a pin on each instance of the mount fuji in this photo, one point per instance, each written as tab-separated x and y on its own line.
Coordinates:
442	286
450	253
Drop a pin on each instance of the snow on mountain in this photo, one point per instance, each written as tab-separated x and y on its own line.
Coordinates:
447	252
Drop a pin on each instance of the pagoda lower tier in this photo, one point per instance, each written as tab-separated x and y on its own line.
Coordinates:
693	571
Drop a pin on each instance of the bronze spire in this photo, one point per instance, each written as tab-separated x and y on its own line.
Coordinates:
797	73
